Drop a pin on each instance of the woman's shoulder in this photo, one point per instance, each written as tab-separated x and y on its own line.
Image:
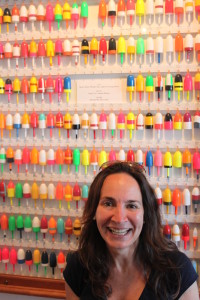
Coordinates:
74	272
180	264
74	262
176	255
73	257
180	259
76	276
183	264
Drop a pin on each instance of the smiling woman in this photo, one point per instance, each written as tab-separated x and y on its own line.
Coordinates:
122	253
119	214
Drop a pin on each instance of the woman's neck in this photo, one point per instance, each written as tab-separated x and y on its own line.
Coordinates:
122	259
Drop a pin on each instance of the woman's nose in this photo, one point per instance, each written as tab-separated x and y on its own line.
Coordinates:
119	214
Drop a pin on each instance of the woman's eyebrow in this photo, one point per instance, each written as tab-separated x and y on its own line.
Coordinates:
132	200
106	198
113	199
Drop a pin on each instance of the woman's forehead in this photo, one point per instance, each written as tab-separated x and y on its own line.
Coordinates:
119	182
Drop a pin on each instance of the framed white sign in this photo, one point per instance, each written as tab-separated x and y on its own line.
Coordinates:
99	91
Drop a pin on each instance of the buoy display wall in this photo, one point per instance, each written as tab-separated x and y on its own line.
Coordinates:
77	92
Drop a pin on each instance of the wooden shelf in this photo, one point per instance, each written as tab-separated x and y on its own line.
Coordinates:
34	286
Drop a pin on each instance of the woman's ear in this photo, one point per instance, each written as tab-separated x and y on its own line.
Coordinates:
94	218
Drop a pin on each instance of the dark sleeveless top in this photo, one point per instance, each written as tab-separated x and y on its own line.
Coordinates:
75	275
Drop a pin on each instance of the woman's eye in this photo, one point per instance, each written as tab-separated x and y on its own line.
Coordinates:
132	206
107	203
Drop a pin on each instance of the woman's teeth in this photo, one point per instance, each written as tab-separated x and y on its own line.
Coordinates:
119	231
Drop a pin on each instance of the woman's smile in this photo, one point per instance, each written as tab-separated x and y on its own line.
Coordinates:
119	232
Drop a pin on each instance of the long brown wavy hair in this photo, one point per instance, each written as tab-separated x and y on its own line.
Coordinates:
152	250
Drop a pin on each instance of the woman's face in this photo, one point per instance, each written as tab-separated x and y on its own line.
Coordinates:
120	212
